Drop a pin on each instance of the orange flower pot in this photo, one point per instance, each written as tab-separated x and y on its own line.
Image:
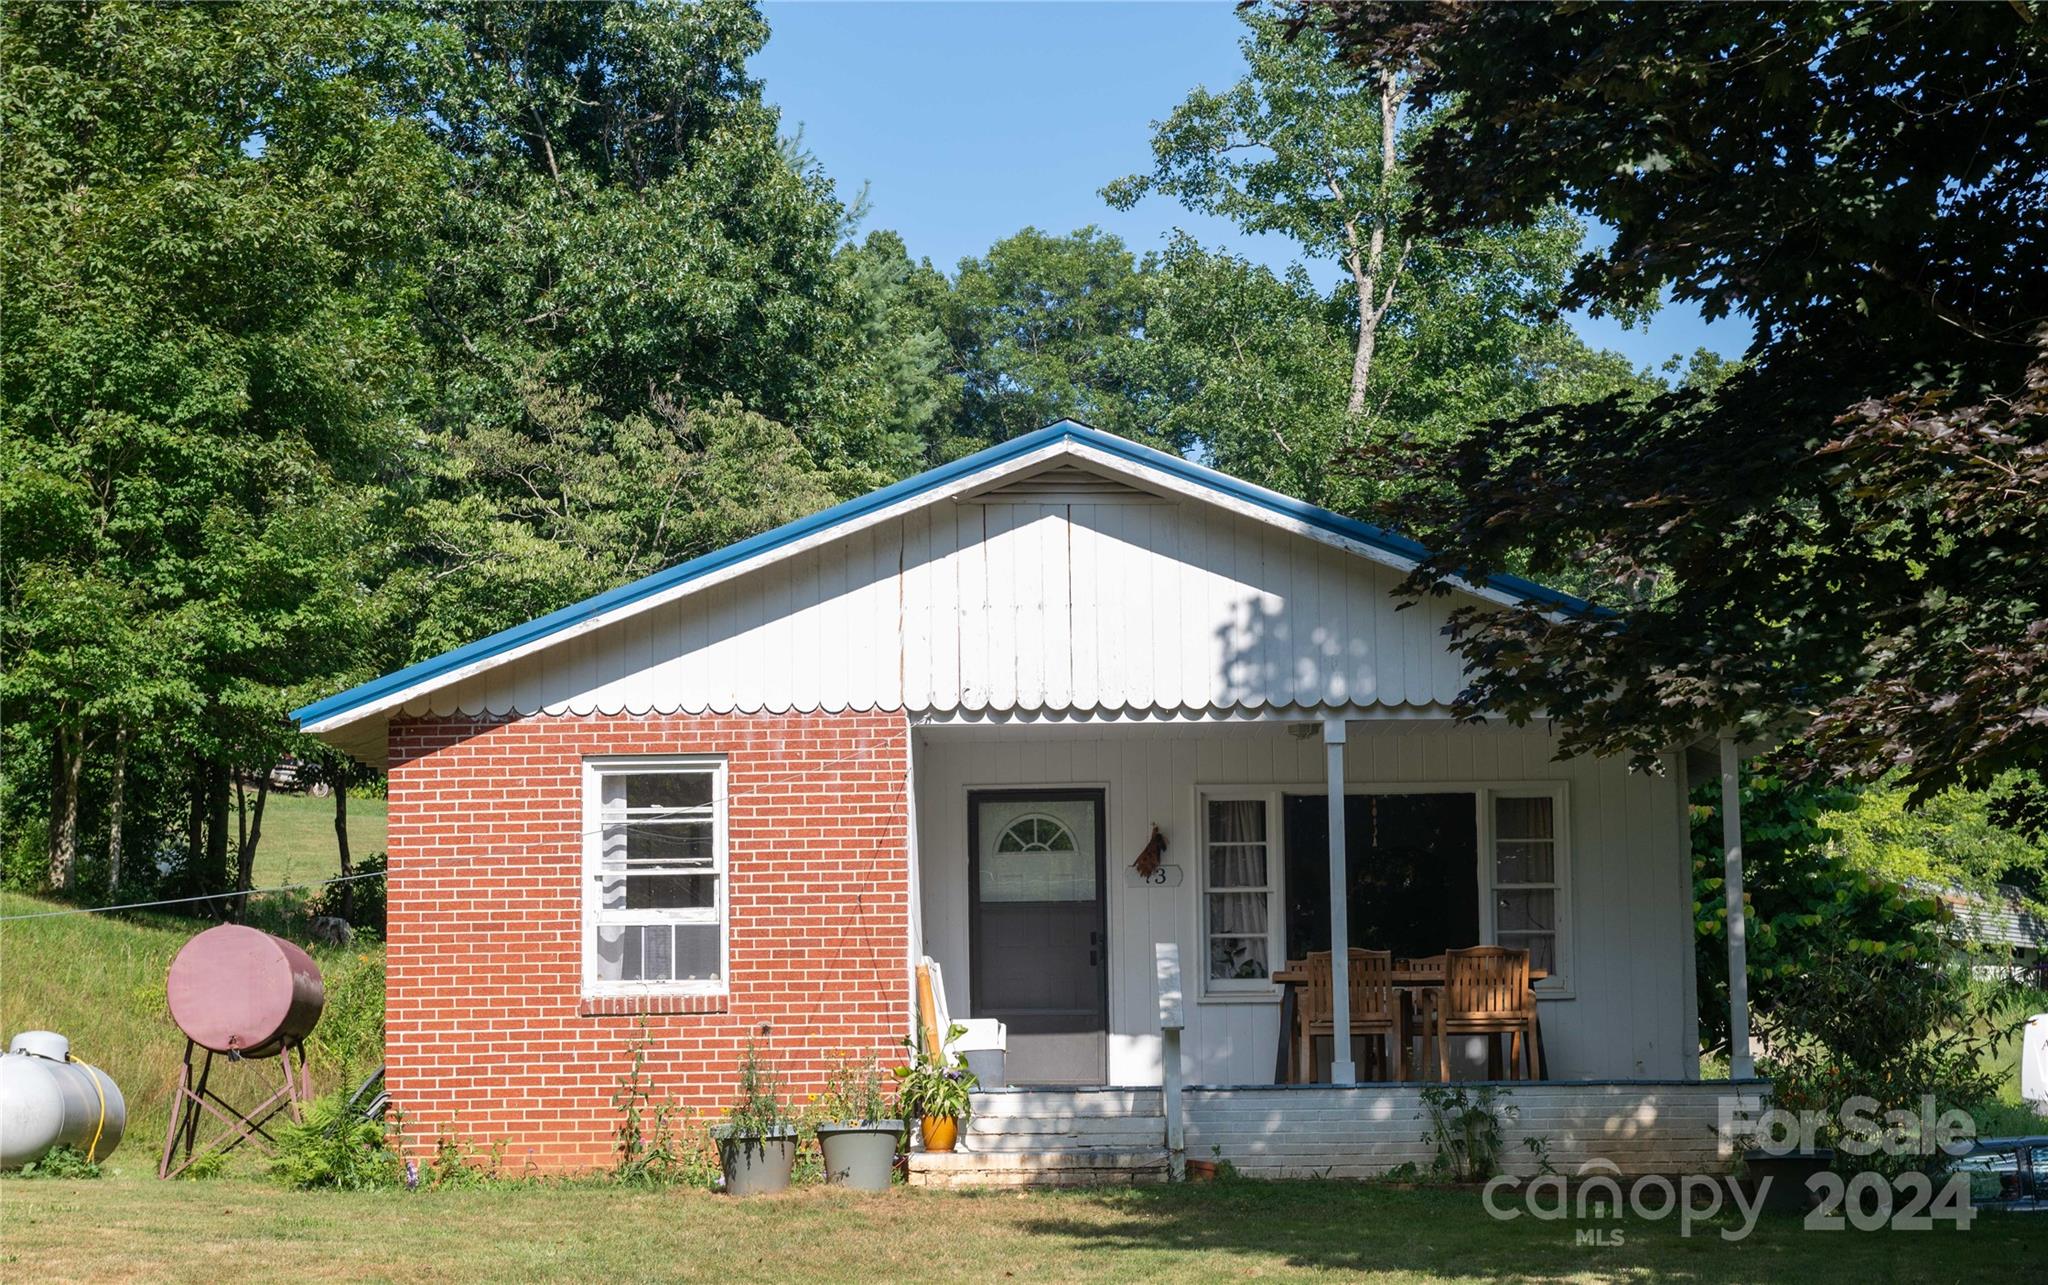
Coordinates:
940	1132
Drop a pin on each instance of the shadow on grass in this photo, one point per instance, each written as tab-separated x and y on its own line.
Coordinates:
1447	1234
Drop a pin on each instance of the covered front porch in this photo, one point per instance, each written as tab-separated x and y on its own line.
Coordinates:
1031	894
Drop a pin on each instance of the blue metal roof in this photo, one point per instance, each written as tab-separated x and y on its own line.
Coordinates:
1066	430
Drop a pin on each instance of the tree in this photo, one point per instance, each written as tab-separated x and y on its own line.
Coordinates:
1956	839
209	215
1043	328
1847	528
1802	903
1437	333
635	289
1299	148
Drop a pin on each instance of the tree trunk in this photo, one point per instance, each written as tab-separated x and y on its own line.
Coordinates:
213	874
195	829
248	833
1369	272
117	807
64	777
348	890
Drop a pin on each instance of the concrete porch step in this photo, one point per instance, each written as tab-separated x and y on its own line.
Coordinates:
1067	1167
1017	1134
1046	1120
1065	1103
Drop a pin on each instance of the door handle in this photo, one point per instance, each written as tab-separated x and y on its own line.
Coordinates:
1094	947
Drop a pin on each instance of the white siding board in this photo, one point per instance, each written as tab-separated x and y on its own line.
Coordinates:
1084	583
1008	607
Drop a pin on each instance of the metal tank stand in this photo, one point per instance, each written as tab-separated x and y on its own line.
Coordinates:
194	1096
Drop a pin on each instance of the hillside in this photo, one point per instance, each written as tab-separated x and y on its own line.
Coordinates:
99	980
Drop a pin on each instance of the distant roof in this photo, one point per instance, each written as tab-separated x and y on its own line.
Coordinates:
933	483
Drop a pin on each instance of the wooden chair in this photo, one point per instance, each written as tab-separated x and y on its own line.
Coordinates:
1376	1012
1485	992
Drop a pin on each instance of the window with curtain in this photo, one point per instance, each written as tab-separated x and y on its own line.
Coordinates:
654	892
1238	873
1528	877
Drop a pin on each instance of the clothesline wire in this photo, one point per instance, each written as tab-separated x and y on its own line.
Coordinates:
180	901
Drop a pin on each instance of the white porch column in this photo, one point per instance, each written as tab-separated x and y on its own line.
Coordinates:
1739	1064
1342	1069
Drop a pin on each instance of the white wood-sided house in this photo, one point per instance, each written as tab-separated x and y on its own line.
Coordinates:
1074	640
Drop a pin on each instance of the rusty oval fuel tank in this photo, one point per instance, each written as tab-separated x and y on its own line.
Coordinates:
233	989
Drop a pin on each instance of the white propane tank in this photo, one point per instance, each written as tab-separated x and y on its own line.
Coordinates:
47	1100
2034	1062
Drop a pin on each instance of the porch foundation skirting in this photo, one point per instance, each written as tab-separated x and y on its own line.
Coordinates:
1362	1131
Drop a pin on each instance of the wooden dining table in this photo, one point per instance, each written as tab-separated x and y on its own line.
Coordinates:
1409	975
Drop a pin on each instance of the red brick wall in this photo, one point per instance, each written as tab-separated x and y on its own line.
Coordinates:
489	1038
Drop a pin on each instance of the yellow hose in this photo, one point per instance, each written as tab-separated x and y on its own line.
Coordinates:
92	1148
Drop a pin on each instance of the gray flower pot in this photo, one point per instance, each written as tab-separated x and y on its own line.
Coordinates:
860	1156
756	1166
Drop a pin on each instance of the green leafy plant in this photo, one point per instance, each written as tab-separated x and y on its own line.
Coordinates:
1466	1129
61	1162
350	1035
335	1146
211	1165
647	1148
451	1167
1801	901
854	1094
758	1113
928	1087
1896	1030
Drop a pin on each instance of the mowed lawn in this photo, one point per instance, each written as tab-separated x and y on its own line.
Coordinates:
298	838
134	1228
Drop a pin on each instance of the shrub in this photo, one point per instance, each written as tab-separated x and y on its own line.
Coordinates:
336	1147
25	856
1802	900
366	898
1894	1029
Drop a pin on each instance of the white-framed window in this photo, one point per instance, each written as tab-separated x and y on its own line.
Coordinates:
1526	867
654	894
1240	893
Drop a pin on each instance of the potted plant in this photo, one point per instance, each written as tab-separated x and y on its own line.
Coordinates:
757	1142
937	1094
858	1136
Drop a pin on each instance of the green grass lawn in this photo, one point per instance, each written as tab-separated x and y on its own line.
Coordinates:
298	838
134	1228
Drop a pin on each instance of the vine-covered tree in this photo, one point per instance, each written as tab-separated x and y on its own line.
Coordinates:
1848	530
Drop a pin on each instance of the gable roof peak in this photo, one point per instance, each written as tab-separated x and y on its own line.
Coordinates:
1063	437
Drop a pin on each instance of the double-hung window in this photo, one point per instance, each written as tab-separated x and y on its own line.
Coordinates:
654	899
1528	877
1239	871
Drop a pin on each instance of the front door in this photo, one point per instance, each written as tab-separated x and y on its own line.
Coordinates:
1037	931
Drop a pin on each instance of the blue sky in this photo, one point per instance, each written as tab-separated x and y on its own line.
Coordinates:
968	121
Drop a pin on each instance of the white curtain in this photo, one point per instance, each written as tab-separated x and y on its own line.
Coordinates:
1237	859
